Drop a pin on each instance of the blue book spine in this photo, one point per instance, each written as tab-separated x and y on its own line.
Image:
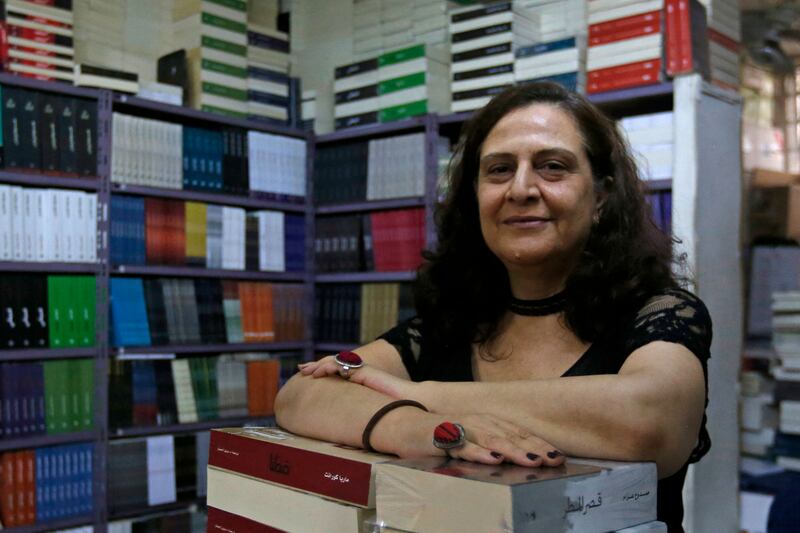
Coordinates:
114	245
568	80
187	157
57	473
12	387
3	400
40	484
141	244
88	477
219	155
543	48
37	372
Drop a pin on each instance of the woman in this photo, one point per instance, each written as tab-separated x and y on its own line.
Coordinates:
549	321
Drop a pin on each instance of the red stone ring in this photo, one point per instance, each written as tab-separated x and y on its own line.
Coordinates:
448	435
347	361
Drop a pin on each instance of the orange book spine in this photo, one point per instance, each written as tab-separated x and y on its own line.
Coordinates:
255	389
8	504
247	311
272	374
30	487
267	311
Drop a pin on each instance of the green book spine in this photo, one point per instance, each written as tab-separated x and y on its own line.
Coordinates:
54	313
223	111
86	373
404	111
70	308
75	394
91	307
52	409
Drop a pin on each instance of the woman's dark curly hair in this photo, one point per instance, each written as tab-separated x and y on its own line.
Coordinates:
463	291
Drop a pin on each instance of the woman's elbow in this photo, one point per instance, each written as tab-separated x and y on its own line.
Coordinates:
285	402
657	444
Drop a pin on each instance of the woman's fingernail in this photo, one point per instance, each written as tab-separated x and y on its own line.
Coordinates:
553	454
497	455
532	456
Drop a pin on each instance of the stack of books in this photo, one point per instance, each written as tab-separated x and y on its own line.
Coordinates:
308	485
214	35
40	39
164	311
562	61
161	392
308	110
382	25
393	86
786	328
482	43
626	45
45	225
724	41
651	138
49	133
556	19
268	92
46	398
46	484
106	78
686	34
277	166
56	311
359	313
786	343
758	422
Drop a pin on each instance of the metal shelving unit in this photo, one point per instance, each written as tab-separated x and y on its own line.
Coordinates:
209	348
66	523
177	429
55	268
45	354
365	277
36	441
370	205
44	180
197	272
252	201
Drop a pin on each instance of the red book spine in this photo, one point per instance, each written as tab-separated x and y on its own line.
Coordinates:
220	521
8	501
684	36
671	35
19	488
179	233
292	467
30	486
723	40
622	24
622	70
378	238
645	76
626	32
3	46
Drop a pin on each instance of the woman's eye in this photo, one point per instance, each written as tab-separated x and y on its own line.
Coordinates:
553	166
499	169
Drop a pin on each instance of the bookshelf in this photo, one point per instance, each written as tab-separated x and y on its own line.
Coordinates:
102	354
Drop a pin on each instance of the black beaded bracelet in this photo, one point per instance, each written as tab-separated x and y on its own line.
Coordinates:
380	414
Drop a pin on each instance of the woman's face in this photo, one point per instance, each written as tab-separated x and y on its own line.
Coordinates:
535	192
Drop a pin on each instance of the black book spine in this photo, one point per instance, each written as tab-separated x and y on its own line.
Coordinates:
366	243
243	150
165	393
5	322
48	132
156	314
67	141
86	136
228	165
251	243
28	131
38	319
12	127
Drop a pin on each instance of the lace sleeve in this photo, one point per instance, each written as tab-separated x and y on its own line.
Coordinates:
406	337
677	316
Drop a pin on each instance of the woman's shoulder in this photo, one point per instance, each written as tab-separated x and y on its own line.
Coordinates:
674	315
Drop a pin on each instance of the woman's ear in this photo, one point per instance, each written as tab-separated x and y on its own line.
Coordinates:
603	191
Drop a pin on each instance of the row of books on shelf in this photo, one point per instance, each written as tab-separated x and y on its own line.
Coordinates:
394	167
359	313
363	490
49	397
191	520
159	311
49	133
157	153
46	484
41	311
163	392
47	225
382	241
651	138
156	470
156	231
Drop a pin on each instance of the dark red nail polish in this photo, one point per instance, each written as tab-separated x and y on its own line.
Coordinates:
532	456
553	454
497	455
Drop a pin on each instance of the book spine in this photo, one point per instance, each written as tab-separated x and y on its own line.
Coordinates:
246	456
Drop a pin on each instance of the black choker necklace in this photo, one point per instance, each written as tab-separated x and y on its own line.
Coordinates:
543	307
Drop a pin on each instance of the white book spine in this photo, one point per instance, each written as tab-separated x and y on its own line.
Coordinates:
91	227
29	225
17	222
6	223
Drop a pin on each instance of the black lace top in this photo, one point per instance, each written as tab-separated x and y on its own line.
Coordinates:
674	316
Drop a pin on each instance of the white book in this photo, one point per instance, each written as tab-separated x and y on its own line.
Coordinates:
161	487
269	87
482	62
481	22
44	219
6	222
91	227
78	226
483	42
267	503
789	463
605	51
482	82
469	104
364	79
17	224
650	136
406	96
548	70
604	5
184	394
625	11
548	58
29	225
267	110
624	58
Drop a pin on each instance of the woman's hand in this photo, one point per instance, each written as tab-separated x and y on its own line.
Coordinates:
368	376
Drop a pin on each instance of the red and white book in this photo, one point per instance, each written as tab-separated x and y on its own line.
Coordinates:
334	471
220	521
624	76
625	28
